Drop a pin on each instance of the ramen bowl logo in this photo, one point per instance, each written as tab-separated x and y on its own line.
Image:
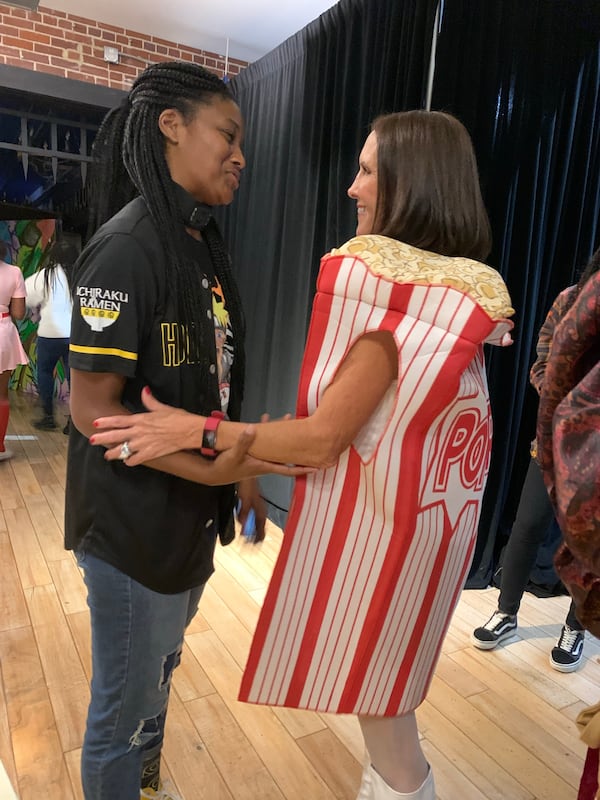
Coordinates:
100	307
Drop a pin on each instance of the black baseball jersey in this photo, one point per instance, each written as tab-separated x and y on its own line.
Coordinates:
155	527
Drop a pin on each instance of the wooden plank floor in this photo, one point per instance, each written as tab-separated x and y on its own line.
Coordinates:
496	725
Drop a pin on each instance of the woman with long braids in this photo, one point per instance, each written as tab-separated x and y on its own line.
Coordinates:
144	291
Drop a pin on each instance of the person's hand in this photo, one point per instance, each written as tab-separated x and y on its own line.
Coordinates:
159	432
267	417
250	499
501	334
34	313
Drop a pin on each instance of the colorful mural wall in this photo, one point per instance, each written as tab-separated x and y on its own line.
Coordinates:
27	240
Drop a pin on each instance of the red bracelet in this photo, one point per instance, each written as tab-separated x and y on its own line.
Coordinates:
209	433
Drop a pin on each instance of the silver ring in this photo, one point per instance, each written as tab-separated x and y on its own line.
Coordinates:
125	452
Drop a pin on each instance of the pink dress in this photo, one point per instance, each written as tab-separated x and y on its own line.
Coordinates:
12	284
377	548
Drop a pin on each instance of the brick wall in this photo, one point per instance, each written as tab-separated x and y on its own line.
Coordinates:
73	47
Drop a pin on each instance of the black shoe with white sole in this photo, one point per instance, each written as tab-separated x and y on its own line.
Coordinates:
567	654
498	628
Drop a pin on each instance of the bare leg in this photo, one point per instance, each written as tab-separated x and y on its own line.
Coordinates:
4	406
393	745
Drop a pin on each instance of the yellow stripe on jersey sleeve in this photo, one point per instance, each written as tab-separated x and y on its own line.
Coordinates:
103	351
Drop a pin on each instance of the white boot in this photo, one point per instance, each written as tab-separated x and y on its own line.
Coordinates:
381	791
365	791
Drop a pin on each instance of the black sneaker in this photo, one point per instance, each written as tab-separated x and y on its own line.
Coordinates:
567	654
498	628
46	423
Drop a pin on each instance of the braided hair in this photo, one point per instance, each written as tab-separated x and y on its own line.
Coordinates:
129	159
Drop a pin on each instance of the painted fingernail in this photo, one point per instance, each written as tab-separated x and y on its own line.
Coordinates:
95	423
92	440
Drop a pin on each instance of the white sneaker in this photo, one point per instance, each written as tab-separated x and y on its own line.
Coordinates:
6	454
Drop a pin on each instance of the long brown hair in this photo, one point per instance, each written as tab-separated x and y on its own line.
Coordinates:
428	192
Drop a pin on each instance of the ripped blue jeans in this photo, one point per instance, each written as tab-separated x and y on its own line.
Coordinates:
137	636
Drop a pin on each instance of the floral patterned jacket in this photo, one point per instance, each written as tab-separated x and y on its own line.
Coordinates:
568	436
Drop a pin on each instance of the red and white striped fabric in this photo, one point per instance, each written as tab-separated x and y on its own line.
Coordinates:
376	548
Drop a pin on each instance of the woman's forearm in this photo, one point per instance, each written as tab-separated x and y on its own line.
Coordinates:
284	441
189	466
17	308
298	441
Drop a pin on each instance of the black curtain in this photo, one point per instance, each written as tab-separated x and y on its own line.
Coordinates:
525	78
308	106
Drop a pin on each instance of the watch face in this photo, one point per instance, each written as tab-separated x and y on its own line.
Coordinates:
209	434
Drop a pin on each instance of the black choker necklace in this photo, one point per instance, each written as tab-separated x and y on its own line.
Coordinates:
194	215
199	217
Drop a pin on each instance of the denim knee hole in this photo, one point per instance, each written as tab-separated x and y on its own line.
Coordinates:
169	663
